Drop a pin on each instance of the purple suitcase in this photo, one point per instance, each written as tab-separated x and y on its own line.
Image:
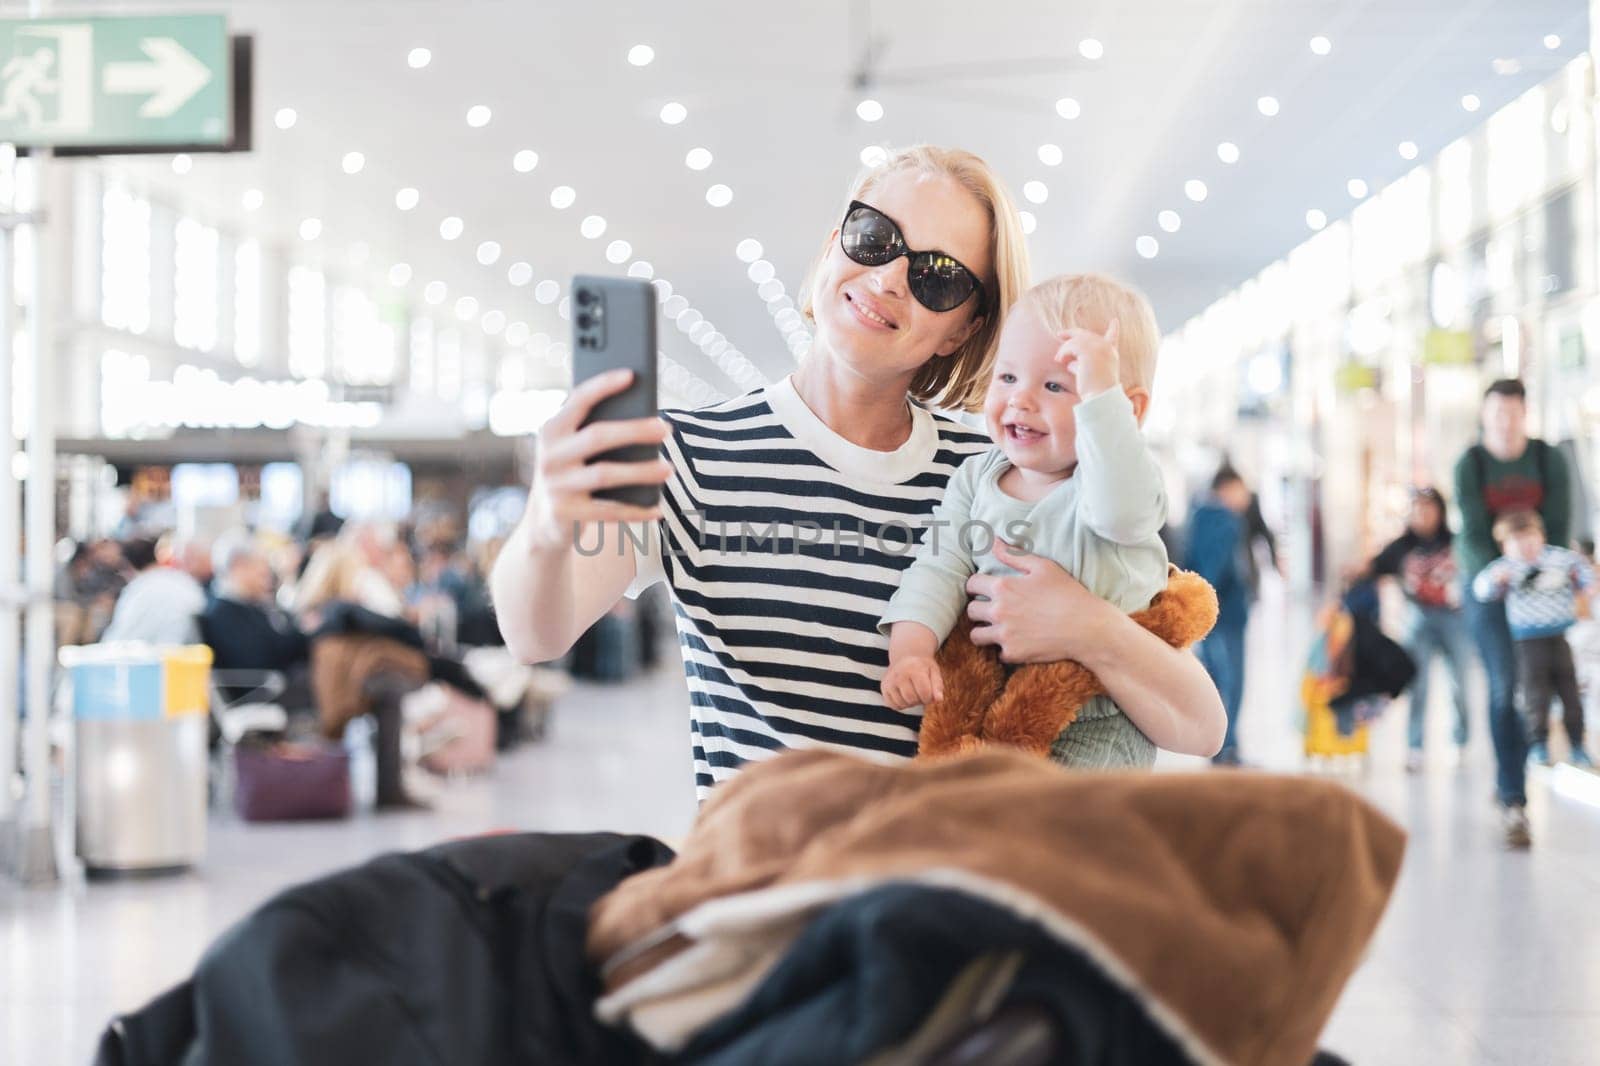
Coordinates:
291	780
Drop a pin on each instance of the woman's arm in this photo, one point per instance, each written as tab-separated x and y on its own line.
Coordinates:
1045	614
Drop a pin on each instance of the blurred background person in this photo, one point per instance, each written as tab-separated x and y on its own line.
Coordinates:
1215	547
161	605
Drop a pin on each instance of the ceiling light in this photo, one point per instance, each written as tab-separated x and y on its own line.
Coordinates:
689	319
451	228
618	252
641	268
1036	192
564	308
1050	155
701	332
1321	45
663	288
419	58
466	308
182	164
674	113
524	161
519	274
478	116
489	253
1195	189
1147	246
1408	149
406	198
1169	221
1357	188
517	334
673	306
353	162
874	156
1552	42
1029	222
640	55
592	226
310	229
1267	105
1316	219
1506	67
869	111
1228	152
1068	108
1470	102
562	196
546	292
1089	48
399	274
284	118
770	289
493	322
252	199
749	250
762	271
719	196
435	293
697	159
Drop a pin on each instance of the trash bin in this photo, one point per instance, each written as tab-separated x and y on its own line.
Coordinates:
141	732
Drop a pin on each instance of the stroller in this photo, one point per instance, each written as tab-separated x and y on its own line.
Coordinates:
1352	673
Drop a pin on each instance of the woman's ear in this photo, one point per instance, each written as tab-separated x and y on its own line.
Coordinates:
960	336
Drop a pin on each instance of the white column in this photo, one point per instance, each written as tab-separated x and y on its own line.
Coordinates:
10	546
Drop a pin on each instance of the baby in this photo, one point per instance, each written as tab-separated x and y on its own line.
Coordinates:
1071	480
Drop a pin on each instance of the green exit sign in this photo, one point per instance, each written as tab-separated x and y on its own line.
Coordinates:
115	81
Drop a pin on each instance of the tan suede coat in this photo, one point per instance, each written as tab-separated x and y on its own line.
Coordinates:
1233	905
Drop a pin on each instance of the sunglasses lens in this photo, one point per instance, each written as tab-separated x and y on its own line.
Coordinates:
869	238
940	283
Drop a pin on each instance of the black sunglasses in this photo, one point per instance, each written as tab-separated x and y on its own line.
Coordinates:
937	280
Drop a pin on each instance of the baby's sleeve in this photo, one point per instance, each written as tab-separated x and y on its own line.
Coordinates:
933	589
1122	496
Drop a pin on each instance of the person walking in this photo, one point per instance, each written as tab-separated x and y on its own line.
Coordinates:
1505	472
1215	550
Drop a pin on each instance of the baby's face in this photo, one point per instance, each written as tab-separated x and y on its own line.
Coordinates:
1525	546
1029	407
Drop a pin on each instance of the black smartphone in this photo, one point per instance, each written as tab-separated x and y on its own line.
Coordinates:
614	328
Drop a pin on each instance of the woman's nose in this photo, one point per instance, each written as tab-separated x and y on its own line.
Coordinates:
892	277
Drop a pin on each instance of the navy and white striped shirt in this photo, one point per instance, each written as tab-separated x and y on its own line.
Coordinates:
782	543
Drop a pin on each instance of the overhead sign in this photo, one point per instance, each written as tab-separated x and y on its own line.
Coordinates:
115	81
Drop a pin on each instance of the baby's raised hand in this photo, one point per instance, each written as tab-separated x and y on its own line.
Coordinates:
911	681
1091	357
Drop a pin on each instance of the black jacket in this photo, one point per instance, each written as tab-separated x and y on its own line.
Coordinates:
468	953
246	636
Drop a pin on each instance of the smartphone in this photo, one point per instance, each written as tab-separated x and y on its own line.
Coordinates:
614	328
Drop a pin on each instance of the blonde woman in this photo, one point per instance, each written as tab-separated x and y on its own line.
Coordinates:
788	513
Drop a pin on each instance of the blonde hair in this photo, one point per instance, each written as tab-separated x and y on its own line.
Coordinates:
960	379
1091	301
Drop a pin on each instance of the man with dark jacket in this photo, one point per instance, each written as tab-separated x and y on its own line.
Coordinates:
1215	546
245	629
1506	471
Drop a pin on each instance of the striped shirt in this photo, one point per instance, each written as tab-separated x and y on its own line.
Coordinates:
782	543
1540	599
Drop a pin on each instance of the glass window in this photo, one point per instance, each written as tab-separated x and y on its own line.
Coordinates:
371	489
282	496
196	485
308	342
194	305
247	303
422	354
124	259
363	344
447	366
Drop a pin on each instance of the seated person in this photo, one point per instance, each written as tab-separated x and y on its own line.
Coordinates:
244	625
160	605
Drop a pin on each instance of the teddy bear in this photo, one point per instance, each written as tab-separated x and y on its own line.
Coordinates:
987	702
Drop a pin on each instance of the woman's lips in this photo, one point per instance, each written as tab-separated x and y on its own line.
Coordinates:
866	313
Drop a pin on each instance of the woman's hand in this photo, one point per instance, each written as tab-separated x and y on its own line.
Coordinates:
1040	615
560	499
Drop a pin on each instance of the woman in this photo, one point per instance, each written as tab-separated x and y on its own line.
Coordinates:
1423	561
787	513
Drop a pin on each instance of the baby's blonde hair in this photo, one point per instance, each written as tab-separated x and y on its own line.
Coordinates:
960	380
1091	301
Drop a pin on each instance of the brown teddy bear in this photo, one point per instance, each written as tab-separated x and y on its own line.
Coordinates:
986	702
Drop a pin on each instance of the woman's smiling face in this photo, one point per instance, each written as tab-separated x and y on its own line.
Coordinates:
866	316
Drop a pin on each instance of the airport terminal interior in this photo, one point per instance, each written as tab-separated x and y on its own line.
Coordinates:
1269	322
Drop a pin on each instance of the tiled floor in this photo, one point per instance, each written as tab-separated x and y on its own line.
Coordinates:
1484	956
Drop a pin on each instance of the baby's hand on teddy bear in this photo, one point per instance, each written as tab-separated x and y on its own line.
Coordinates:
912	681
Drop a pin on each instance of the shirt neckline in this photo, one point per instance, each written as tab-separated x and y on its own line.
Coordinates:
890	468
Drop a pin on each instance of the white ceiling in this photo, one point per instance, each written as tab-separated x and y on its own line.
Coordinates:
768	88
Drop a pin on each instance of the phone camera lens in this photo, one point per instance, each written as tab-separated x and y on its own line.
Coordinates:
585	320
585	297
